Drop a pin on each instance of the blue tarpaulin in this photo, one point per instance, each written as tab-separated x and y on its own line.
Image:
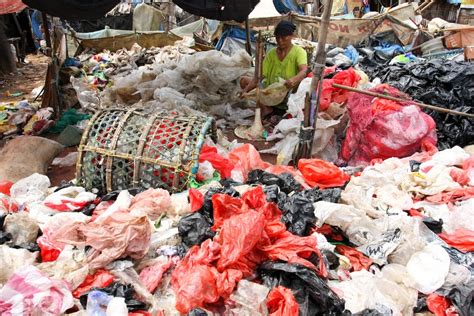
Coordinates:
286	6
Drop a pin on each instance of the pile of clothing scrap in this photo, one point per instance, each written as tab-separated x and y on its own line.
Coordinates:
395	238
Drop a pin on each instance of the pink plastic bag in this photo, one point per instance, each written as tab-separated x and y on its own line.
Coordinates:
30	291
381	128
152	202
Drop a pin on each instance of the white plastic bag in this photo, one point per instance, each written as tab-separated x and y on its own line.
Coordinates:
30	189
428	268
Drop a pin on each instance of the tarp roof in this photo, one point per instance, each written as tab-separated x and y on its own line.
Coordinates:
73	9
11	6
264	9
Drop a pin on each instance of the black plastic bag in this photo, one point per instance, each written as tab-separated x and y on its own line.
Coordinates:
195	228
285	181
197	312
298	209
462	297
313	295
118	290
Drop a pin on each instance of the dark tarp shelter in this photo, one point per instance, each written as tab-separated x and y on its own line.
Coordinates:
222	10
73	9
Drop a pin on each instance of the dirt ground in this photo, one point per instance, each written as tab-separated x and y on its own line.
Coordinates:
29	76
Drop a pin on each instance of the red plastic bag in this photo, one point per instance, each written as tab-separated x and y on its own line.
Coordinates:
238	237
282	302
462	239
439	305
225	206
5	186
322	173
151	276
358	260
246	158
100	279
7	205
196	199
197	282
221	164
49	252
378	129
331	94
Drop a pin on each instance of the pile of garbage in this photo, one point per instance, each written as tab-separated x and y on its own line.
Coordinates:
393	238
174	78
25	118
444	83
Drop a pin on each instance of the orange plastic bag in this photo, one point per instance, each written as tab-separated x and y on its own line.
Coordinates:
282	302
462	239
358	260
322	173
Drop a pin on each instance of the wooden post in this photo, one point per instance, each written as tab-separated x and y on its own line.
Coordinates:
47	36
305	144
248	46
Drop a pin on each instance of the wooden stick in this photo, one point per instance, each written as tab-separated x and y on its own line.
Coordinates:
389	97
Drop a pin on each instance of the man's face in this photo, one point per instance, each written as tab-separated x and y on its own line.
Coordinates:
283	41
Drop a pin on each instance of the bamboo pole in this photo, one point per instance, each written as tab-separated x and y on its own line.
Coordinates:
389	97
312	100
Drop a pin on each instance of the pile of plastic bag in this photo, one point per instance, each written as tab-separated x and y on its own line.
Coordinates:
395	238
440	82
24	118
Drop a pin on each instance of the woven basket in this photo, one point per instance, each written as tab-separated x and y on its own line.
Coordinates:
123	149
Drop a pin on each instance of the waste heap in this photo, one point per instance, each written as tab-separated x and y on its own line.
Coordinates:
393	238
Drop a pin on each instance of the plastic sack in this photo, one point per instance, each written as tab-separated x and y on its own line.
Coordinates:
151	275
97	302
5	187
358	260
321	173
196	282
248	299
29	290
330	94
384	129
428	268
11	260
462	239
100	279
272	95
246	158
49	251
119	235
69	199
31	189
152	202
117	307
221	164
282	302
313	294
22	228
439	305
